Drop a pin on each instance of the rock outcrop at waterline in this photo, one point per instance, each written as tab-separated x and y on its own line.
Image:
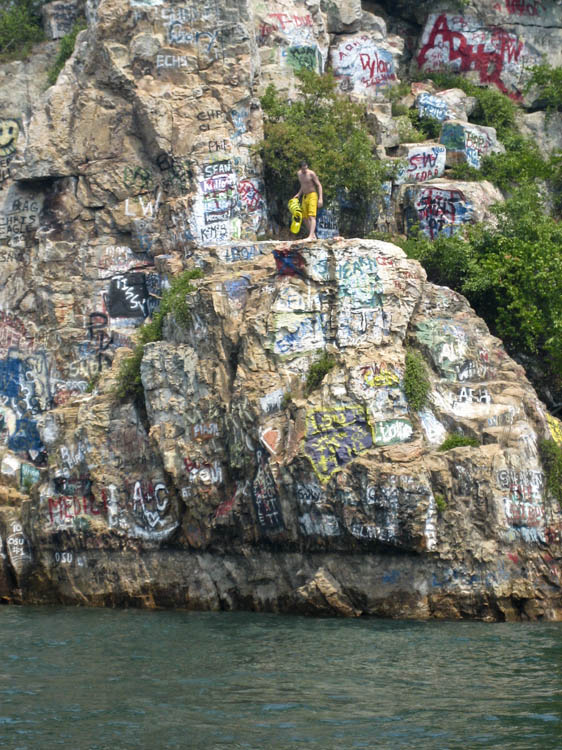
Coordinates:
241	489
236	486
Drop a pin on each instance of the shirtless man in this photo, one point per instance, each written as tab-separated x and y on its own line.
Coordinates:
311	198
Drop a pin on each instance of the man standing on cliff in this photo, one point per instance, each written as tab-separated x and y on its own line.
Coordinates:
311	191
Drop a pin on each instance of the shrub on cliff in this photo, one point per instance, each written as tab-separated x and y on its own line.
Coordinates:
329	131
20	28
416	383
547	82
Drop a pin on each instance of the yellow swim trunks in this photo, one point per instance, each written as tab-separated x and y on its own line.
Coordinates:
309	205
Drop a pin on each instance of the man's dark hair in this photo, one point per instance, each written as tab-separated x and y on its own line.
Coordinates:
304	163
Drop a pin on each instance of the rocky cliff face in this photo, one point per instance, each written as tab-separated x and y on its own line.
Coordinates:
237	487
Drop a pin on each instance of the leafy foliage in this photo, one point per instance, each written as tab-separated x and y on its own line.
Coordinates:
416	381
427	126
66	48
511	273
440	502
317	371
20	28
551	457
458	441
174	301
329	132
548	81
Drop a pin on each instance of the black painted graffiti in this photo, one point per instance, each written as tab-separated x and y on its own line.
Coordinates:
97	329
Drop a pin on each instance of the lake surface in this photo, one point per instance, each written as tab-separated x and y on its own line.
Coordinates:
87	679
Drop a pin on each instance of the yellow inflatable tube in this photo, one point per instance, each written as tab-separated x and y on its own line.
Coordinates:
296	212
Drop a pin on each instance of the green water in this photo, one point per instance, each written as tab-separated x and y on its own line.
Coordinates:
104	679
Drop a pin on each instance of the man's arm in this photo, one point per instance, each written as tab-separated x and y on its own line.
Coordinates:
316	181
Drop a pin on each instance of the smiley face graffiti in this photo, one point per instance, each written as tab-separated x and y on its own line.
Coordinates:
9	132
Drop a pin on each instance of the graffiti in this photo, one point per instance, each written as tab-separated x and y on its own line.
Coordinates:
172	61
469	141
462	44
237	291
326	224
392	431
13	333
289	262
447	344
555	427
9	132
272	401
334	437
299	333
316	523
203	473
309	494
216	146
134	295
381	504
149	504
471	370
523	497
147	210
215	234
423	163
64	510
358	281
361	66
432	427
18	546
115	259
377	375
302	56
21	217
269	438
29	475
97	330
205	430
250	195
225	508
74	455
177	171
532	8
266	496
433	107
239	121
283	22
137	178
442	211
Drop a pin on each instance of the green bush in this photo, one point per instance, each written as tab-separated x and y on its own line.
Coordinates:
20	28
440	502
66	48
427	126
416	383
551	457
317	371
174	301
548	81
458	441
329	131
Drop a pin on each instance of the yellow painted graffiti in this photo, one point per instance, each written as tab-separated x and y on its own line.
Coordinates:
555	428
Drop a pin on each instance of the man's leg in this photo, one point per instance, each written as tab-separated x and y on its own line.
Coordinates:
311	228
